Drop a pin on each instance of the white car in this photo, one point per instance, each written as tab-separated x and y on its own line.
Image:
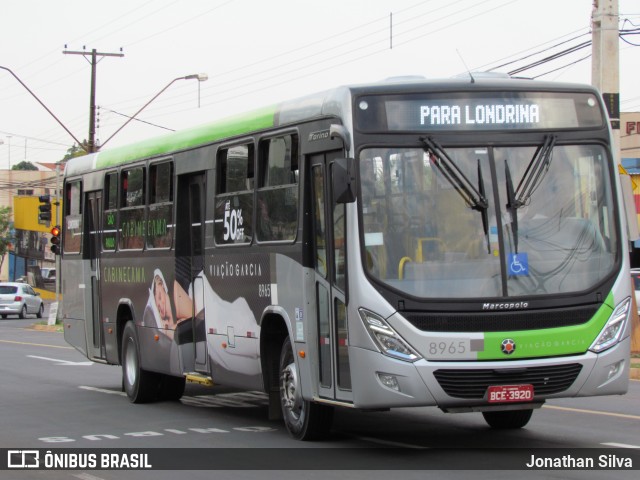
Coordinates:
48	275
19	299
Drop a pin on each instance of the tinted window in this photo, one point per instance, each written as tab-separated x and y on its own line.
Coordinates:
132	225
109	221
234	195
133	187
160	222
73	217
277	207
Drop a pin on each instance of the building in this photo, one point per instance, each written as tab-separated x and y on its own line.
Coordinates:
20	190
630	155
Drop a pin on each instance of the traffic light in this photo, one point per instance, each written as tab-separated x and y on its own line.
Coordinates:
55	240
44	214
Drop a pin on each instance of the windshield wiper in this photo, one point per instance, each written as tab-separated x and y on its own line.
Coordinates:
535	172
484	211
474	197
512	206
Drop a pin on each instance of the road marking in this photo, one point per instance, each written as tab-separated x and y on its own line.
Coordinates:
86	476
62	362
103	390
620	445
37	344
389	443
593	412
234	400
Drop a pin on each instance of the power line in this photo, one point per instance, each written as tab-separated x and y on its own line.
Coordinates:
137	119
350	55
32	138
536	53
550	58
294	74
562	67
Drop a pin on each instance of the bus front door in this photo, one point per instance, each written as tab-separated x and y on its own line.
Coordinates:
189	264
334	375
93	307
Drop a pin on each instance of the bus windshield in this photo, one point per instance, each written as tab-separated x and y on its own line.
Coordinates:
544	223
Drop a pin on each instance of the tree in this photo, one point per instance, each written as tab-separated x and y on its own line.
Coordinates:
76	151
24	165
5	232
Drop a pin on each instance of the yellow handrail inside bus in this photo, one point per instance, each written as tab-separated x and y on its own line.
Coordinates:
403	260
438	243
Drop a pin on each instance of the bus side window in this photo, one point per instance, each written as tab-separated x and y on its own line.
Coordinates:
109	220
160	222
73	217
234	195
277	207
132	225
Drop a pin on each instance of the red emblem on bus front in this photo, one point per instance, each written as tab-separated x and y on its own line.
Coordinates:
508	346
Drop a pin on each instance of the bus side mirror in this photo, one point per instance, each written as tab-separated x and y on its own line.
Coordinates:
343	180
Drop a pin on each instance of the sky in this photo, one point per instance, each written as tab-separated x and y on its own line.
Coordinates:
257	53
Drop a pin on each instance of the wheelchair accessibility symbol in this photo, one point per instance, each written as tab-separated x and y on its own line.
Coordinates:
518	264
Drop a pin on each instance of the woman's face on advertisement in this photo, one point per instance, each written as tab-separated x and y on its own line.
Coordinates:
161	299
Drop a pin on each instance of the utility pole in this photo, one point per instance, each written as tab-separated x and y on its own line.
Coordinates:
605	67
605	75
91	147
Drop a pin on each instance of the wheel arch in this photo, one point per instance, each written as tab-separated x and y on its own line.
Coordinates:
123	315
273	332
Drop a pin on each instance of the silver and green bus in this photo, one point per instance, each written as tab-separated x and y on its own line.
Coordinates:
457	243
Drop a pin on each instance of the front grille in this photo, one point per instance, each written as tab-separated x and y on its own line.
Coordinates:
473	384
510	321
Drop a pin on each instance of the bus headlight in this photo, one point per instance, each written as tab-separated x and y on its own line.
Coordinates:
613	330
386	338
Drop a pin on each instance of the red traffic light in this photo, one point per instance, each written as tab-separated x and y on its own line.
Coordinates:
55	239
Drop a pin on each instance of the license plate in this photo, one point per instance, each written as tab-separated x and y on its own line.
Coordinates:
509	393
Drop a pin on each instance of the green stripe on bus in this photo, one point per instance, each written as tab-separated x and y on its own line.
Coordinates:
549	342
190	138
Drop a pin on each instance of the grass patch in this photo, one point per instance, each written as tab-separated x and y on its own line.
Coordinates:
44	326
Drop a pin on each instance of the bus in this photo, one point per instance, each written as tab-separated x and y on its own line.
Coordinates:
412	242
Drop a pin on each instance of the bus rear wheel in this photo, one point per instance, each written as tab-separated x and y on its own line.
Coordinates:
140	385
304	420
509	419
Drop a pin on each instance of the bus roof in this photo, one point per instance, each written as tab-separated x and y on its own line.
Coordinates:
333	102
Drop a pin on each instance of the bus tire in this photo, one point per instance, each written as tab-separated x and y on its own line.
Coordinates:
509	419
305	420
171	388
140	385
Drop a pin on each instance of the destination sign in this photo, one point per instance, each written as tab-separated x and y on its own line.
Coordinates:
481	111
492	113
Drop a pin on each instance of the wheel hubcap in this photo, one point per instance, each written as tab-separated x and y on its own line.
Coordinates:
291	398
131	362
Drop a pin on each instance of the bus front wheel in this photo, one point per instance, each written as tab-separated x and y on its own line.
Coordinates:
509	419
305	420
140	385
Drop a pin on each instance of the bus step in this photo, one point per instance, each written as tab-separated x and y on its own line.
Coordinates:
199	378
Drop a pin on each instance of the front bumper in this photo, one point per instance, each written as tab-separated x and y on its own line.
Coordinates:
606	373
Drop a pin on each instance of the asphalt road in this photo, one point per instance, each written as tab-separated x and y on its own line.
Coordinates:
52	397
